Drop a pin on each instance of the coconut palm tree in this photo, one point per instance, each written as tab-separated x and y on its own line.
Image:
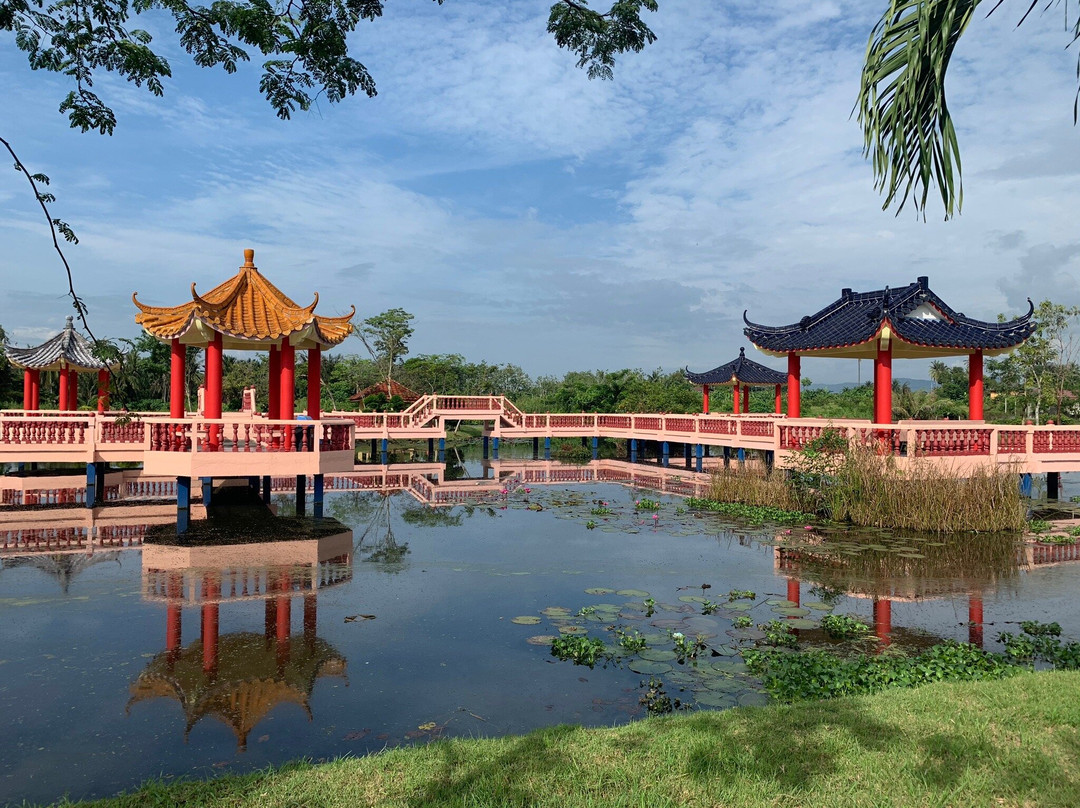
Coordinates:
907	129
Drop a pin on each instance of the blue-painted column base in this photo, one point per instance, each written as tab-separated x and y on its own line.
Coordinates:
700	452
633	450
487	447
207	490
317	497
301	494
495	448
183	505
92	484
384	451
727	456
442	451
536	448
1025	485
267	485
742	456
595	448
547	448
666	454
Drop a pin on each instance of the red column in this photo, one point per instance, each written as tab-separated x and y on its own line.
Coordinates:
779	401
793	381
73	390
26	384
975	620
102	390
883	620
273	407
64	373
975	386
177	372
287	392
35	389
735	398
705	399
212	402
314	383
210	624
883	386
746	398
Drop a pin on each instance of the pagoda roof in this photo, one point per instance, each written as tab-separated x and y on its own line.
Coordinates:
738	371
389	388
914	318
248	311
68	349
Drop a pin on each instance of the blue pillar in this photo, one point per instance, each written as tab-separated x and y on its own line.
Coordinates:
92	484
595	448
253	483
547	448
633	450
207	491
317	497
536	448
770	460
430	448
727	456
742	455
1025	485
700	452
374	449
267	484
442	450
1052	480
183	505
686	454
487	447
666	451
301	494
385	448
495	448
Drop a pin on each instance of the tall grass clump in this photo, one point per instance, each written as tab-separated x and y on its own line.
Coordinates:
753	486
851	482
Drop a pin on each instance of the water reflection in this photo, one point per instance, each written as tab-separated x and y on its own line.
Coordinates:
238	678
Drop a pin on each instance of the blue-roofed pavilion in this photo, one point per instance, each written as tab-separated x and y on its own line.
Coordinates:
739	373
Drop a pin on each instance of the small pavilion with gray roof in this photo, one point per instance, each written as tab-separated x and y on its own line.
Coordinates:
68	353
739	373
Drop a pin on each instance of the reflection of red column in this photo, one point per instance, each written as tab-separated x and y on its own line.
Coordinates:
284	618
746	398
314	383
705	399
211	590
270	619
102	390
794	373
793	590
883	620
174	590
779	401
735	399
975	620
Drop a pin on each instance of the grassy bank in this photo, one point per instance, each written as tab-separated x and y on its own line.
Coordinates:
1005	743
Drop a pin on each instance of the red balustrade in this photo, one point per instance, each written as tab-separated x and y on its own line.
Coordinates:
44	431
757	428
952	442
718	426
796	436
122	432
648	422
680	424
1057	441
536	422
615	421
1012	441
572	421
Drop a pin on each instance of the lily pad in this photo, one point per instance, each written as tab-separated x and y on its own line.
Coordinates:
646	667
753	699
657	655
741	606
599	590
632	593
791	611
526	620
692	599
541	639
801	622
555	611
572	629
778	602
818	606
713	698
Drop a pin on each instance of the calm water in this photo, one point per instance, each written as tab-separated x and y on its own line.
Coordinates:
95	702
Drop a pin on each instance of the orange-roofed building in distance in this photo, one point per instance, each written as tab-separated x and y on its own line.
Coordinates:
246	313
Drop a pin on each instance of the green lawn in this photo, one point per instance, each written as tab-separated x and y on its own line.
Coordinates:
1014	742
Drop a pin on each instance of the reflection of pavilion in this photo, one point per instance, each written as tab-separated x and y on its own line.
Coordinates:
240	677
954	569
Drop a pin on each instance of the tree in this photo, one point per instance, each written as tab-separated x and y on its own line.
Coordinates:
908	131
386	337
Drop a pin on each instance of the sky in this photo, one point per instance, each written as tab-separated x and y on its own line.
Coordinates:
526	214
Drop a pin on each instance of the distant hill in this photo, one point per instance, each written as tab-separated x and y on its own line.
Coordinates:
914	384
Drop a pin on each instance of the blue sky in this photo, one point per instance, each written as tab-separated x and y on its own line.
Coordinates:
527	214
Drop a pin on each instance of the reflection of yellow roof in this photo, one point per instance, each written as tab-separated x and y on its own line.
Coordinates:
247	684
246	308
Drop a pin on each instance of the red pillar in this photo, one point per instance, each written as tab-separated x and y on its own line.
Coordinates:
287	392
26	384
35	389
211	590
212	402
746	398
735	398
883	620
975	620
273	407
102	390
794	379
793	590
779	401
73	390
975	386
64	388
314	383
177	372
705	399
883	386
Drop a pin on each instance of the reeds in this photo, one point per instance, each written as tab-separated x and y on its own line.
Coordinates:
753	486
